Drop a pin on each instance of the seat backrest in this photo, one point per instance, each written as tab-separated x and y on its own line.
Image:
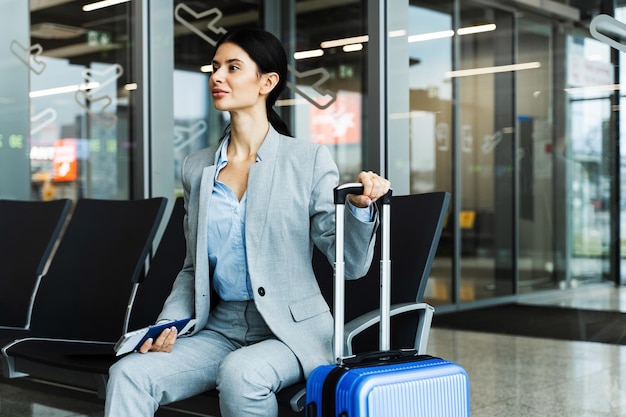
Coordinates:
164	267
416	224
86	290
28	233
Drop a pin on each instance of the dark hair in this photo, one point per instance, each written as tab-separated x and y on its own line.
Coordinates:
269	55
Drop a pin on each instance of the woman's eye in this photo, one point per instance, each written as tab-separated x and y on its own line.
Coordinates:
233	67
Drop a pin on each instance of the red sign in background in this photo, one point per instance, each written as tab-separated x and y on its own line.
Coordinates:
338	124
65	165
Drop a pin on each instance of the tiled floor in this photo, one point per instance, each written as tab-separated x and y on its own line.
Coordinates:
510	376
27	398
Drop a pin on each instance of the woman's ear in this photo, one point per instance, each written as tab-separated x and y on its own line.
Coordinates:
268	82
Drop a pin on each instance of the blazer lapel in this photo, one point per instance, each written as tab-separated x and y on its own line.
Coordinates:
259	189
206	190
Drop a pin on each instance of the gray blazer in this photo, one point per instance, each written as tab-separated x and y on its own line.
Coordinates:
289	209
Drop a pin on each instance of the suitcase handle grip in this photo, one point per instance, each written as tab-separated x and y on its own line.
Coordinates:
382	356
342	191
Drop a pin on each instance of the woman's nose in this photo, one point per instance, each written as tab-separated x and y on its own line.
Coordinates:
216	75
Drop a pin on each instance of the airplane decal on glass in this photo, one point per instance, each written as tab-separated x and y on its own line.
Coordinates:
184	135
195	27
323	97
31	56
96	106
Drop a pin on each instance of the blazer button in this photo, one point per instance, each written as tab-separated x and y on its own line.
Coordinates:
261	291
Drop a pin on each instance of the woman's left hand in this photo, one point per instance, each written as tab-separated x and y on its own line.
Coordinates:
374	187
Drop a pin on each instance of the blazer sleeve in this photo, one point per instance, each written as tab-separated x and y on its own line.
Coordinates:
360	237
180	302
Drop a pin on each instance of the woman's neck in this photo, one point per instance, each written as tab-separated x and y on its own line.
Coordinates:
246	136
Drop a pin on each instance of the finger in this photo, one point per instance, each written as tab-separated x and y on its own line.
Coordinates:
367	180
157	345
146	346
380	188
168	344
168	341
374	186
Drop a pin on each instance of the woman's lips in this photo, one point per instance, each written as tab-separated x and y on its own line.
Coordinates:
218	93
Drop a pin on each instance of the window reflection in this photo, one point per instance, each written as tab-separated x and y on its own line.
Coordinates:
77	65
431	128
589	67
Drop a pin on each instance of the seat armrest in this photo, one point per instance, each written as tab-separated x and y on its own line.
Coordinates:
359	324
293	397
8	368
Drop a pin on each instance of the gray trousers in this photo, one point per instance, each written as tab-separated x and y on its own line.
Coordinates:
236	353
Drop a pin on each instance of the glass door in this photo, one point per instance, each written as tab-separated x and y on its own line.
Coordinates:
535	153
462	81
485	79
431	125
588	151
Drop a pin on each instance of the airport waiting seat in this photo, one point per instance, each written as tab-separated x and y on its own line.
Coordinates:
29	231
84	295
416	225
89	362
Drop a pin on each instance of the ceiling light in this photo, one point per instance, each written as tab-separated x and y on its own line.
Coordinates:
101	4
492	70
345	41
450	33
314	53
593	89
397	33
62	90
476	29
353	47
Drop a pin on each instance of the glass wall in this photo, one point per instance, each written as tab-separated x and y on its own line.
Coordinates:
466	59
531	191
431	128
588	151
503	110
620	15
535	119
487	150
66	108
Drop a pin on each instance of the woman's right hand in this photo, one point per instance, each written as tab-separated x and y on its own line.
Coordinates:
374	187
163	343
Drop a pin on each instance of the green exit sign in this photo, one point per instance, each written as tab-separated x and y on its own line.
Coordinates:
95	38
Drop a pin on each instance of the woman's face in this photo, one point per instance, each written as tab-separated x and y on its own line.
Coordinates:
235	83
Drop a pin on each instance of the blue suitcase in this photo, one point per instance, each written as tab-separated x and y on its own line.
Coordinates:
400	385
386	383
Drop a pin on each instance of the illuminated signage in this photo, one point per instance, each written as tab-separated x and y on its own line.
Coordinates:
65	162
340	123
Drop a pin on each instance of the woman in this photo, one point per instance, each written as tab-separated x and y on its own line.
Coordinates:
255	206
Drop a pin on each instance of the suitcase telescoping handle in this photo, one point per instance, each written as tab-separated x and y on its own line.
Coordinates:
340	194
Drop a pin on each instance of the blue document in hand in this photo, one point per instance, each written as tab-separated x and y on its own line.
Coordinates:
132	341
